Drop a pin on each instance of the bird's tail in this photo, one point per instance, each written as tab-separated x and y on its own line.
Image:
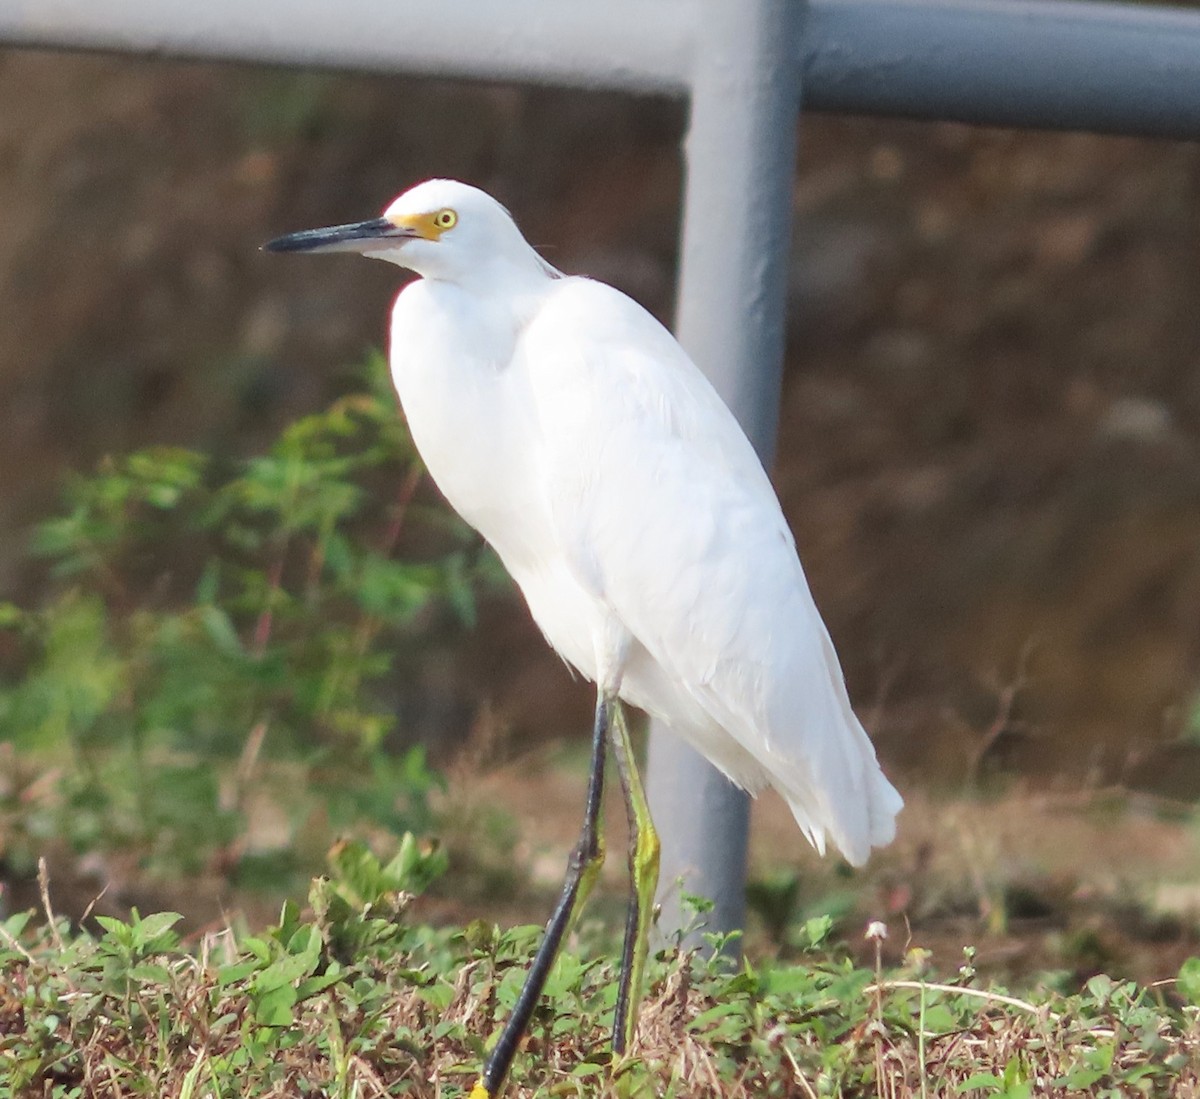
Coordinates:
854	829
840	791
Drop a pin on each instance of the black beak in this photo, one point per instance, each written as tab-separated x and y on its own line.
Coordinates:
359	237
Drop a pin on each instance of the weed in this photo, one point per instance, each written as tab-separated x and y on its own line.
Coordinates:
351	998
218	632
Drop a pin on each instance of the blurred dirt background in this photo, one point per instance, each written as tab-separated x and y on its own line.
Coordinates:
991	413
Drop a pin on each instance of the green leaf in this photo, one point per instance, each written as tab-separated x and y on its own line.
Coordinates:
273	1007
11	616
1188	981
714	1014
236	971
118	931
16	923
284	971
209	584
459	590
312	985
220	630
392	589
150	974
817	929
153	926
980	1080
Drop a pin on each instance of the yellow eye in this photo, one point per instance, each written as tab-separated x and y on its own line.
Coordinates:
445	219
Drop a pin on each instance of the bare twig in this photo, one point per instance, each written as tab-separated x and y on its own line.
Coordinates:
250	753
1003	721
44	891
797	1075
93	902
266	617
976	993
408	489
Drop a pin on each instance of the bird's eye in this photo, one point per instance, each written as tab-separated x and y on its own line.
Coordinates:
445	219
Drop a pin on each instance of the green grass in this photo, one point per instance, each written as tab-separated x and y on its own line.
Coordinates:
351	997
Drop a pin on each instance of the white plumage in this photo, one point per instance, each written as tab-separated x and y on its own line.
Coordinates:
572	431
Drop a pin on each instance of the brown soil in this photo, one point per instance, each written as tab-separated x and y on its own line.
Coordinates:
1080	881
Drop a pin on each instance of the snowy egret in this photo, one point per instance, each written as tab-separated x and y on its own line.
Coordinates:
565	424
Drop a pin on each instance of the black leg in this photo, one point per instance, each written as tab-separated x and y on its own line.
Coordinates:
582	868
643	869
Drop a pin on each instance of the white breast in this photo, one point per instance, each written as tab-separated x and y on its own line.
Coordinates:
471	417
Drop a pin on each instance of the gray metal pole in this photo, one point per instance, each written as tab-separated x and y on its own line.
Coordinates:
638	45
1054	64
1059	64
741	154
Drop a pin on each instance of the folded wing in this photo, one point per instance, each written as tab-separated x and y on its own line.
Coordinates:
664	513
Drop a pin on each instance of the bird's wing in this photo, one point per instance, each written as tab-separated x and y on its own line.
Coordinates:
664	513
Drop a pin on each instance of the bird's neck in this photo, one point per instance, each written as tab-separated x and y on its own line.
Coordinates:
525	275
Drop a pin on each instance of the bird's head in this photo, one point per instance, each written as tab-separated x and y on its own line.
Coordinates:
441	229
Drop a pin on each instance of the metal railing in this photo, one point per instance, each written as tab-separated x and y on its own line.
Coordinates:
746	66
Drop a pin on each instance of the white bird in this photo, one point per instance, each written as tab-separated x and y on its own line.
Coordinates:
565	424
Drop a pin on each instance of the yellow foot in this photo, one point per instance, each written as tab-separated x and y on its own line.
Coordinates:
479	1091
